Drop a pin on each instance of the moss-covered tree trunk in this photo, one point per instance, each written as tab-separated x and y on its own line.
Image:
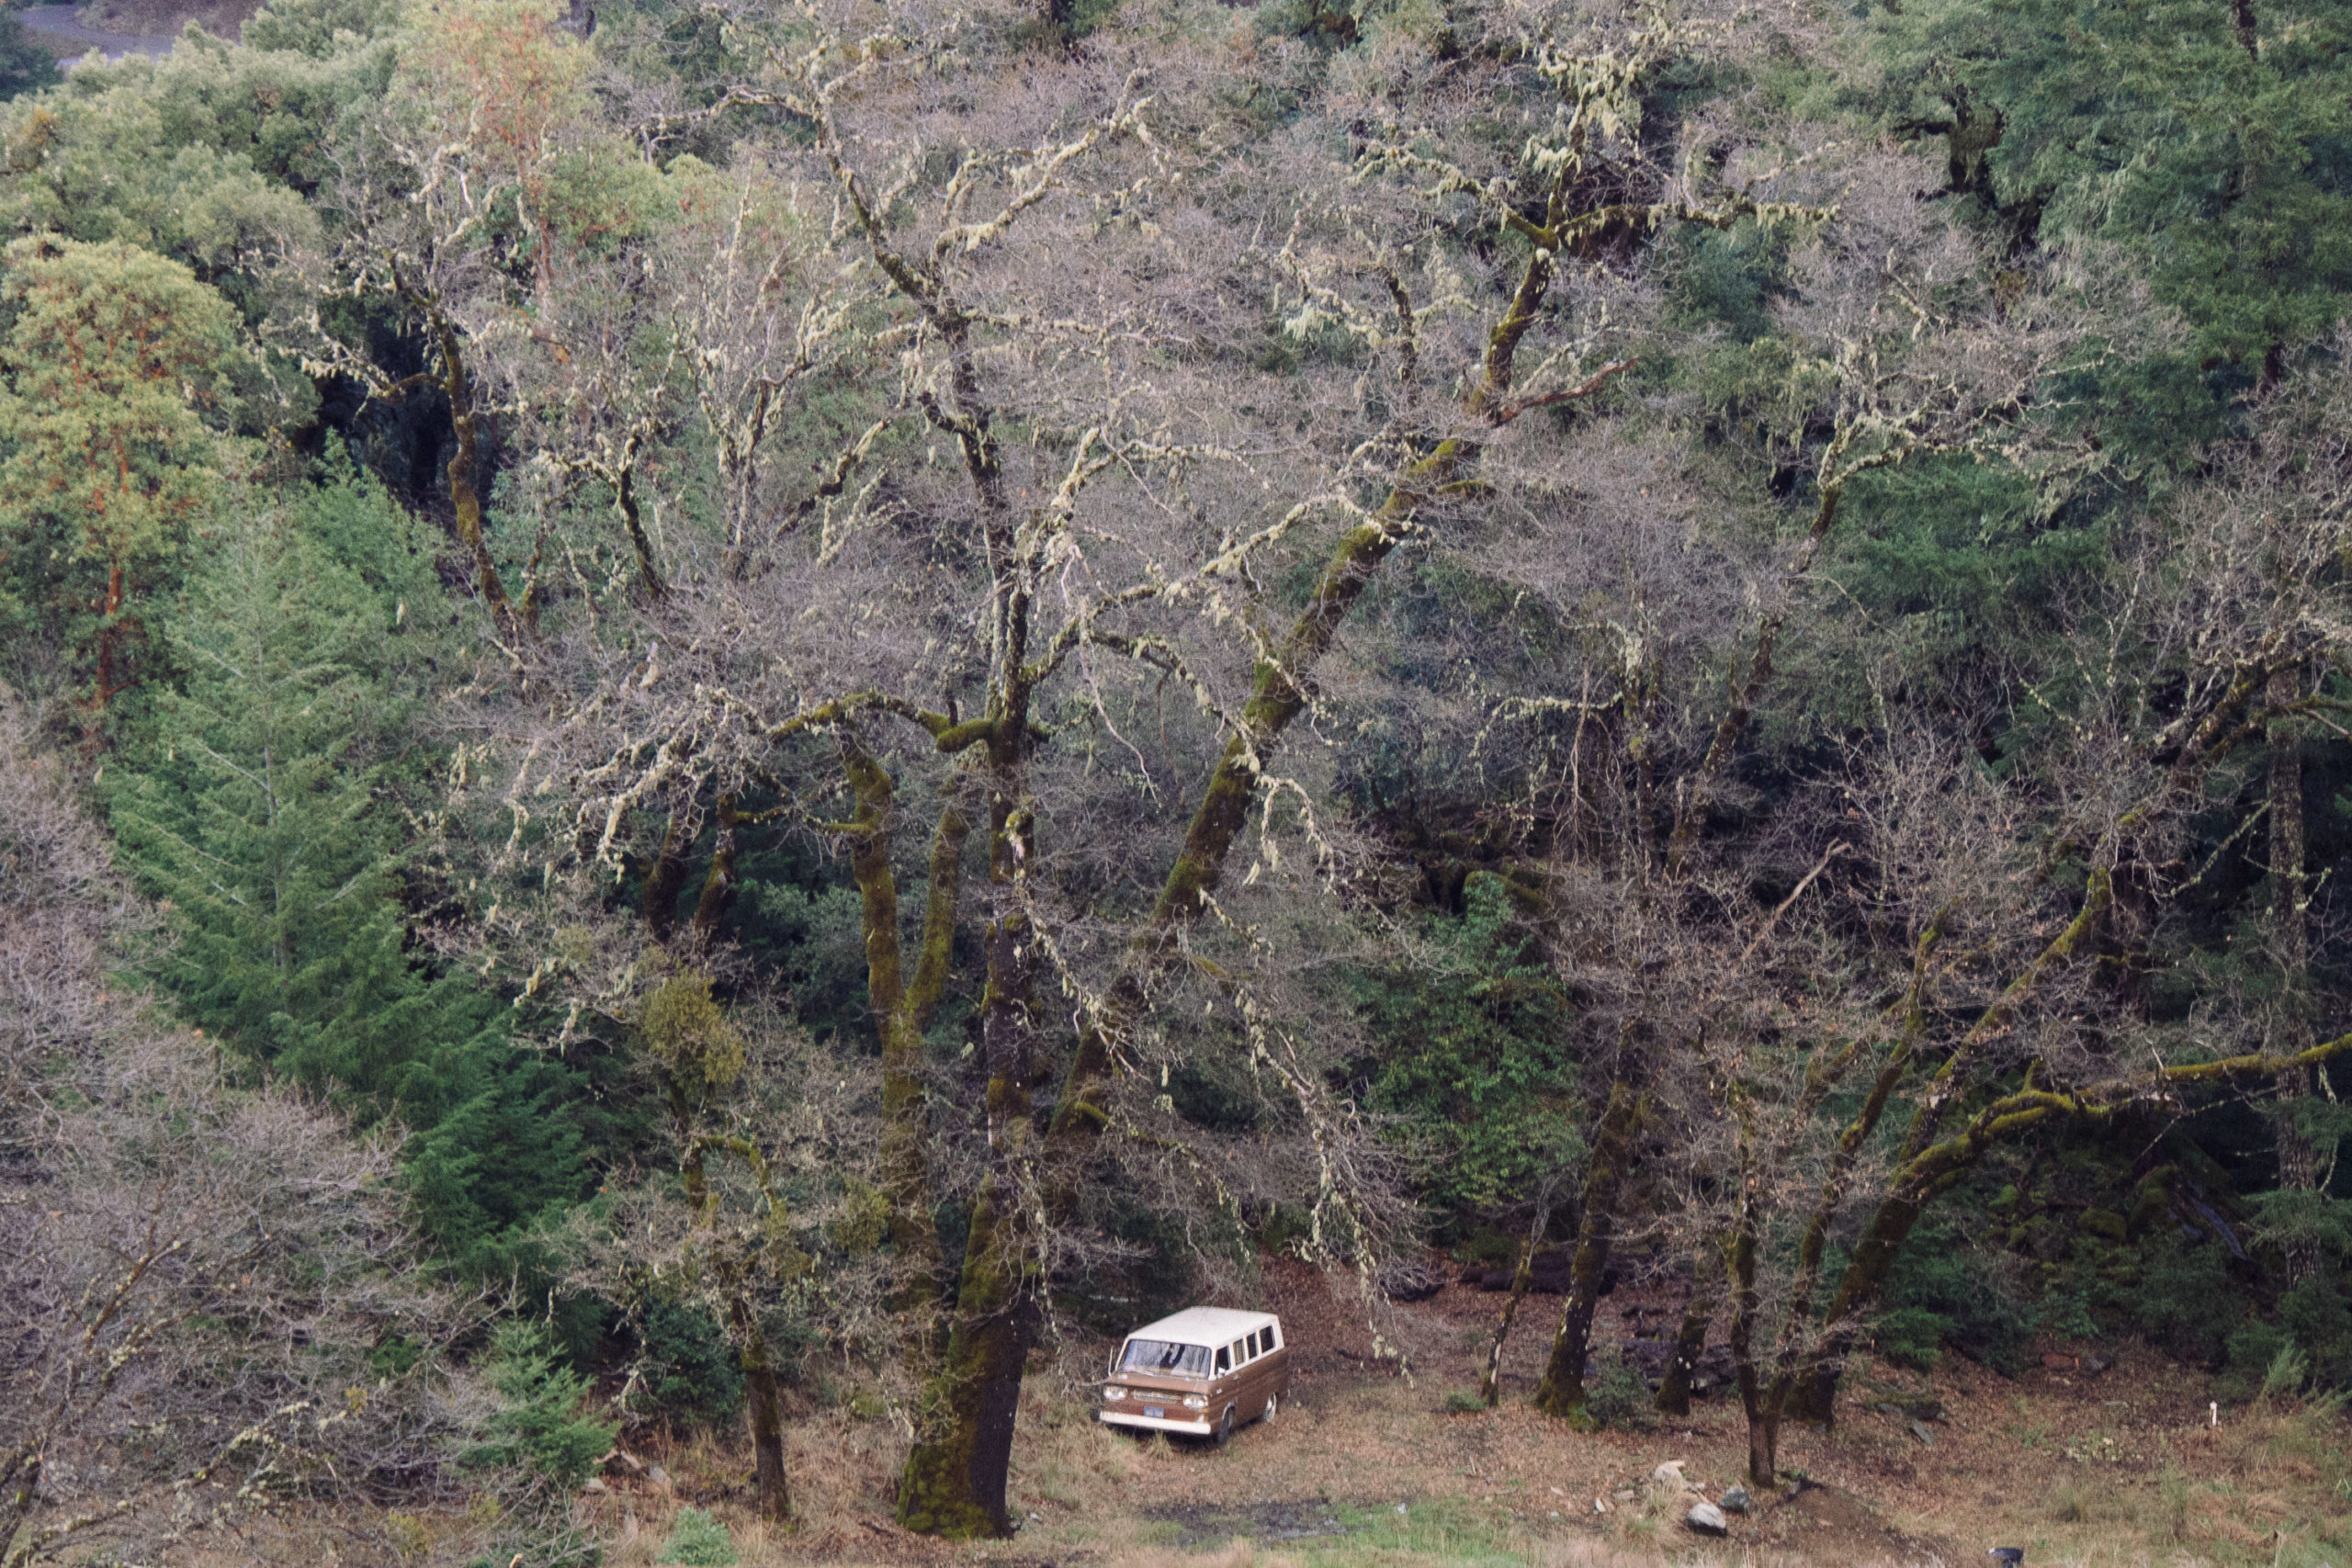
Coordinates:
718	877
767	1427
465	463
901	1010
1923	1167
1522	1278
954	1483
1562	1391
1690	1344
1760	1404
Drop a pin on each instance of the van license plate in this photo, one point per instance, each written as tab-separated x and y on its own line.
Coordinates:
1156	1412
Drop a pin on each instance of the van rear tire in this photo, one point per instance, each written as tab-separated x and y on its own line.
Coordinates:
1224	1427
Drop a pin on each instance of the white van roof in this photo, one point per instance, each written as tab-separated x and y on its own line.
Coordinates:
1204	1326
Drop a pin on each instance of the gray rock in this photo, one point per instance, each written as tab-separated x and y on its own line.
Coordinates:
592	1485
1919	1430
1735	1501
1706	1518
656	1474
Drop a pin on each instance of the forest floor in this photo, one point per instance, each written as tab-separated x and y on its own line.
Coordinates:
1363	1467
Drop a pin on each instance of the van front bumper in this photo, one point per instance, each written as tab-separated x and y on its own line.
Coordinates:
1197	1427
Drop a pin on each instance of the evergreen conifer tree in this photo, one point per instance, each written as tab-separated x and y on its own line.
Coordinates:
264	811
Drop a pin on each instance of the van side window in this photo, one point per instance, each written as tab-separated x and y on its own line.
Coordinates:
1225	1359
1252	1343
1274	1338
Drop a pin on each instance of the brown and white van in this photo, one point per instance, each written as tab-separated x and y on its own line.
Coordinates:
1202	1372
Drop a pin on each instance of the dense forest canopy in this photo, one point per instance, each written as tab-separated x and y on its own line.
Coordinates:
696	682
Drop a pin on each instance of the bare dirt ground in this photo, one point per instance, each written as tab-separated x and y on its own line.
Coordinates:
1365	1467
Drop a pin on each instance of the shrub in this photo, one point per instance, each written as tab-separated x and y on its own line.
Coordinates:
1946	1289
2183	1299
697	1540
1913	1337
1616	1394
692	1374
538	1426
2316	1313
2253	1351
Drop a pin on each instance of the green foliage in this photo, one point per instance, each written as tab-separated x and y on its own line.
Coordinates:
2316	1315
691	1373
113	384
319	28
2183	1299
200	156
1944	1290
1956	561
1912	1336
1474	1057
261	803
2253	1350
538	1426
1616	1394
687	1032
24	65
697	1540
2216	161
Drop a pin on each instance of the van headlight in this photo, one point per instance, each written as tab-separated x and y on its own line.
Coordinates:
1196	1402
1115	1394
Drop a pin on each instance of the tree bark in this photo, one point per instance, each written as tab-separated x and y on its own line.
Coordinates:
767	1431
1690	1344
1918	1180
464	463
955	1480
954	1483
1562	1391
719	880
1490	1387
666	878
648	573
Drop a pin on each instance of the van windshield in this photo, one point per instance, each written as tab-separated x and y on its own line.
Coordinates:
1159	1355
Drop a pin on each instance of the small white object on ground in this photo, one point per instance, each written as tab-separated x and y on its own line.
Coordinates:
1670	1474
1707	1519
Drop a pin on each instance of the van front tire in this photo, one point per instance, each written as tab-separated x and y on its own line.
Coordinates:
1224	1427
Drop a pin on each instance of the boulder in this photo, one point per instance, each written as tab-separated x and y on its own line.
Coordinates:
1735	1501
1706	1518
1669	1475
